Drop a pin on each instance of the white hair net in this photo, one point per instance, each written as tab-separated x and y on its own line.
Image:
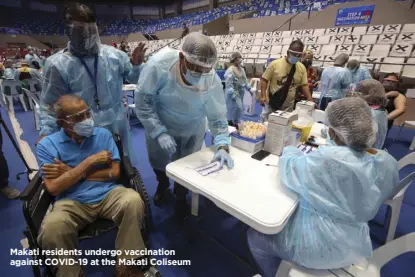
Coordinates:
235	55
199	49
372	91
352	121
341	59
353	64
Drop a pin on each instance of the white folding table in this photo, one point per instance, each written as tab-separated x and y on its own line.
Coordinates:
251	191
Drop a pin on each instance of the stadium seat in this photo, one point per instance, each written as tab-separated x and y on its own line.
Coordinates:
323	40
361	50
332	31
328	50
409	70
375	30
337	40
352	39
314	48
345	30
401	50
359	30
392	29
386	68
369	39
319	32
387	39
408	28
346	48
408	38
380	50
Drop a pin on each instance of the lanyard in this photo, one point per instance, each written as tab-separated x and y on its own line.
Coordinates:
92	77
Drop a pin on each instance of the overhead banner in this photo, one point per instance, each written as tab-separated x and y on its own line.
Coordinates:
355	15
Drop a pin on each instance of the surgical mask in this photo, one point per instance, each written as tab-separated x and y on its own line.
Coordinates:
84	128
329	139
390	87
307	63
293	60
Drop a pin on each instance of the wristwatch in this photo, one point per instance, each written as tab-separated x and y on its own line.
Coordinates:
224	147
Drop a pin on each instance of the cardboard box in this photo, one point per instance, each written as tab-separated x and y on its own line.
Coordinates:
279	131
246	144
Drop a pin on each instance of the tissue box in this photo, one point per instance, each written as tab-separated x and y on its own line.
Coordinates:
246	144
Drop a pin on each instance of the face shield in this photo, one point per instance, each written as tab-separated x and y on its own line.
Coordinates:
294	56
200	76
84	37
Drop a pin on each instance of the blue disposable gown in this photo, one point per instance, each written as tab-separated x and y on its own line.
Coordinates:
64	73
165	105
380	117
235	90
362	73
335	82
29	58
340	190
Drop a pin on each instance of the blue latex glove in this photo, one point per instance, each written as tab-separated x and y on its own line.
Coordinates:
167	143
248	87
223	157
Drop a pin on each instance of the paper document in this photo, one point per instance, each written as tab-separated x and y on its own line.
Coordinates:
208	169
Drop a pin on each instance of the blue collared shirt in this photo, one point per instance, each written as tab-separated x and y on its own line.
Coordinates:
59	146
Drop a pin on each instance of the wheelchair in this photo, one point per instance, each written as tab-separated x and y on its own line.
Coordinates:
37	201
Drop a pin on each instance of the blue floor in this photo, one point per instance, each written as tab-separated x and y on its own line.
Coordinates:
208	257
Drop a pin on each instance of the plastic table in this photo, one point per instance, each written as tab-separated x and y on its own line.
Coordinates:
251	191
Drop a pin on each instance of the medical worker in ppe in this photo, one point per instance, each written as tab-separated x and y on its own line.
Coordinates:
335	81
236	83
340	186
359	73
92	71
373	92
176	91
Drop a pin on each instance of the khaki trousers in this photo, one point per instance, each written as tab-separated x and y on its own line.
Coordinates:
61	226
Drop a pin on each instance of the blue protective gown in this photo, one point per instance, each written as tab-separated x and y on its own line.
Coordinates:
340	190
362	73
164	104
235	90
335	82
380	116
64	73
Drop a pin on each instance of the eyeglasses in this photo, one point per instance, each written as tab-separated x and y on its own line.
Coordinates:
80	116
295	53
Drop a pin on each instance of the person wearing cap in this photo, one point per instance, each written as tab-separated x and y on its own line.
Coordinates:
93	71
25	72
176	91
340	186
277	74
396	98
373	93
335	81
359	73
235	85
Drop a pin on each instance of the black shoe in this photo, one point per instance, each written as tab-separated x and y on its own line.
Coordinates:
160	198
182	209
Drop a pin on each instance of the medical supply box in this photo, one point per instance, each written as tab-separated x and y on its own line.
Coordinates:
305	105
279	131
247	144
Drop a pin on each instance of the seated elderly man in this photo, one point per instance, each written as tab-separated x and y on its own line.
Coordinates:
79	165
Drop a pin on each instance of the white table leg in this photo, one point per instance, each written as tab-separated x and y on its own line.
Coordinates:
195	204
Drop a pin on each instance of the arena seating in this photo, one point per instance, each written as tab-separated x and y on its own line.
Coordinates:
392	44
48	23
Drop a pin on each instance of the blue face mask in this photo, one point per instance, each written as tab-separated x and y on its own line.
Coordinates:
193	77
84	128
329	139
293	60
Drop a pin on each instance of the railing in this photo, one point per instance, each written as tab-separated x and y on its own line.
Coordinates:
308	6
